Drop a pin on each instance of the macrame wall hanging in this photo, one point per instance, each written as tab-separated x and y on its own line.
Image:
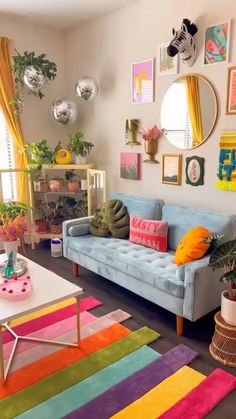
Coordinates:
227	162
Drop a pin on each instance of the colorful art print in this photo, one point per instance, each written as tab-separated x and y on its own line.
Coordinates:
130	165
172	169
167	65
194	170
142	81
231	92
227	162
216	45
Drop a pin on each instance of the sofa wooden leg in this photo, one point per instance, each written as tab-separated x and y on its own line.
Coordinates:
75	269
179	325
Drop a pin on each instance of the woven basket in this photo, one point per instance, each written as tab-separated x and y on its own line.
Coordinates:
223	345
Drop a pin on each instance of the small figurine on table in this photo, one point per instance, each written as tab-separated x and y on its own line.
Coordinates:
9	270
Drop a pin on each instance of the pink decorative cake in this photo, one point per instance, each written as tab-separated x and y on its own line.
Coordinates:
16	289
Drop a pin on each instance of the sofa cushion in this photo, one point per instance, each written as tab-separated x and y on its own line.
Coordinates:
149	208
192	246
149	233
147	265
79	230
182	219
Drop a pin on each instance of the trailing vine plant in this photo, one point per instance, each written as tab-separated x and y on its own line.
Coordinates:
39	63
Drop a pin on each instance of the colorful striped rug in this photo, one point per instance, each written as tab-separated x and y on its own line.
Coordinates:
113	373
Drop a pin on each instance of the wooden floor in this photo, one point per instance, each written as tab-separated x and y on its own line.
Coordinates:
197	335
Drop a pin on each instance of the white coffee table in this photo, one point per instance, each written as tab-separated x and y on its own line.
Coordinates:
48	289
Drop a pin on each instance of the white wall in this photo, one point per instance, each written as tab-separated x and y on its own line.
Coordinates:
105	49
36	118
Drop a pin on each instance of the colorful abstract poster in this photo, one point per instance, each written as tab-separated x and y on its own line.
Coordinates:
216	46
142	82
231	92
130	165
167	65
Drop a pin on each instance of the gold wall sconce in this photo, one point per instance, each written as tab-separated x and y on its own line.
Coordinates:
131	131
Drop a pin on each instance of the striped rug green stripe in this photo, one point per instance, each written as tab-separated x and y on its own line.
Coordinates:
42	390
76	396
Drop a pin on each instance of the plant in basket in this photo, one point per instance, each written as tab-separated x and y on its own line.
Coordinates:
224	257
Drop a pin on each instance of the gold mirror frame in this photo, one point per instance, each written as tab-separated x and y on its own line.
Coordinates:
216	110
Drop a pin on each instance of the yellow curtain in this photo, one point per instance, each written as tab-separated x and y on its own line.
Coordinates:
7	92
194	106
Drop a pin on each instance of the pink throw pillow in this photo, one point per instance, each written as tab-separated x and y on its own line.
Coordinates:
149	233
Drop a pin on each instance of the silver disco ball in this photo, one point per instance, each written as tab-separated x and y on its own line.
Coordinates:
86	88
33	78
64	111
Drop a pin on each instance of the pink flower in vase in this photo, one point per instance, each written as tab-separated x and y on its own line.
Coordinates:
151	134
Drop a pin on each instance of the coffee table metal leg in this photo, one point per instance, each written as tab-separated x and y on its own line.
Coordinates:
2	377
78	319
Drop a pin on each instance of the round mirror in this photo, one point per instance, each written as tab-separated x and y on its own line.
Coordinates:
189	111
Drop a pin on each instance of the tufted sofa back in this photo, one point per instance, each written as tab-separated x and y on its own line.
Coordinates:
149	208
181	219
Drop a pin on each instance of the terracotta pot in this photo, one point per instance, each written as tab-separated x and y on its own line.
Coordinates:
73	186
56	228
55	185
228	308
42	226
151	149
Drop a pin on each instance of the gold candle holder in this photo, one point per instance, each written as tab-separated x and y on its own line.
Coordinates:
150	147
131	131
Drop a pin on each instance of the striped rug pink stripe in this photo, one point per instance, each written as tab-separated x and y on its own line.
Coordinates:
42	350
32	325
203	398
49	332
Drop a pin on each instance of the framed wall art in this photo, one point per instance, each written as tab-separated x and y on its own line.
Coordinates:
194	170
167	65
216	43
130	166
172	169
231	92
142	81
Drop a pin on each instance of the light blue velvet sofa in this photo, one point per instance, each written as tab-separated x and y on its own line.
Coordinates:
189	291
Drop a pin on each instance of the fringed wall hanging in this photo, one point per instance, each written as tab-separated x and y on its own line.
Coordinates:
227	162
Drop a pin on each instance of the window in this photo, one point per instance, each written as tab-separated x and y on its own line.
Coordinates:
7	161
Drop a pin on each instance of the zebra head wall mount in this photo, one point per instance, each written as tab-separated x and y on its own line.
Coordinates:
183	42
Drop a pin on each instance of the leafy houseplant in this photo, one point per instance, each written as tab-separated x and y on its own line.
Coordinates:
224	256
41	153
78	146
39	63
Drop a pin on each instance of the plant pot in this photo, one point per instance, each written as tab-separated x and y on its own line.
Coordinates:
73	186
55	228
80	160
150	149
12	246
42	226
228	308
55	185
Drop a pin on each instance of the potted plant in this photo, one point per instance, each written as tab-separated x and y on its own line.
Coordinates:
73	183
42	223
150	137
224	256
41	153
79	147
33	71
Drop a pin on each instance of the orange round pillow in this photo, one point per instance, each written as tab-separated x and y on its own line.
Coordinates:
191	246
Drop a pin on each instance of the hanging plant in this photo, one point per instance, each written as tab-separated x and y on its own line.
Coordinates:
32	71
